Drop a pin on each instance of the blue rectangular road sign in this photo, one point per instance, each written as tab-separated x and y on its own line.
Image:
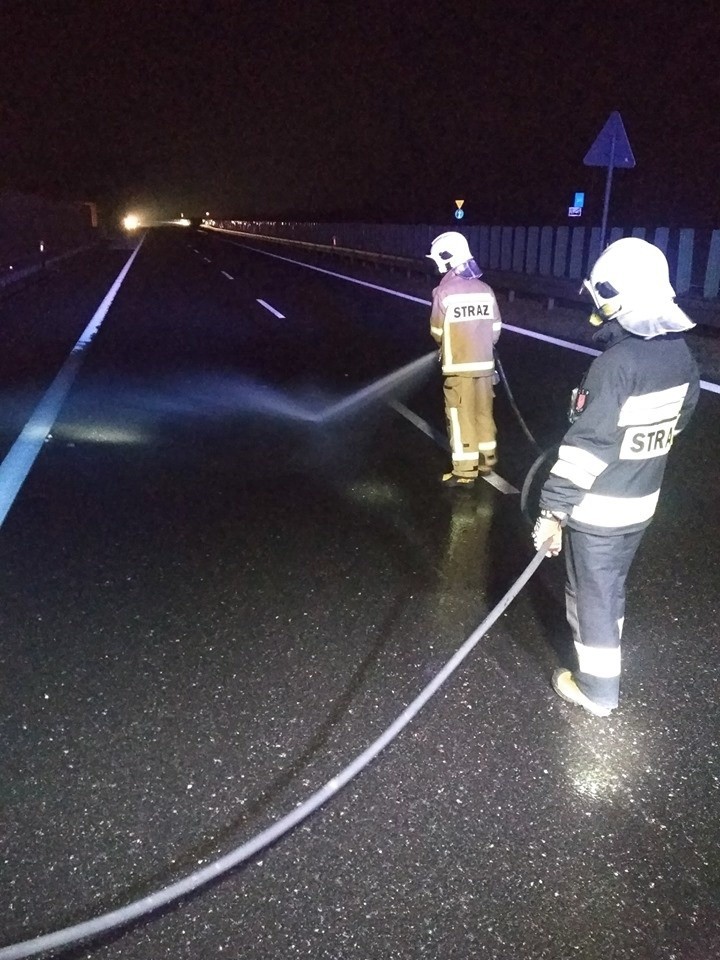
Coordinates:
579	200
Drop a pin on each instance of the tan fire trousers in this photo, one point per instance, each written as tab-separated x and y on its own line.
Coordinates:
471	428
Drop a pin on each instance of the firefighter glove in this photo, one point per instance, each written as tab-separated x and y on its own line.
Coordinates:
548	527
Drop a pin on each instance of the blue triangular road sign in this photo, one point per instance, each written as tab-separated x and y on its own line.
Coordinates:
611	147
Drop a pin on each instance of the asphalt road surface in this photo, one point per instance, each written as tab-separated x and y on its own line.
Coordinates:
229	567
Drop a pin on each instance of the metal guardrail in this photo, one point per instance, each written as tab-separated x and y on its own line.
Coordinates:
35	231
30	266
551	291
15	268
511	285
409	264
548	289
551	252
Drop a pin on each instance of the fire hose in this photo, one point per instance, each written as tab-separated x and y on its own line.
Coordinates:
144	906
182	888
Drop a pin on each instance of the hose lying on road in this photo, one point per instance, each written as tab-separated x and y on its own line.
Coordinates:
542	454
516	410
181	888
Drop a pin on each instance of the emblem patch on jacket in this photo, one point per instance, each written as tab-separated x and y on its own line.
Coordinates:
578	402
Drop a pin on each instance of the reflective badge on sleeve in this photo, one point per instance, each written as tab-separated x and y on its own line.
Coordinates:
578	401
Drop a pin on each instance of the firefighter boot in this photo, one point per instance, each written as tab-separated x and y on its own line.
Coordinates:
451	480
564	686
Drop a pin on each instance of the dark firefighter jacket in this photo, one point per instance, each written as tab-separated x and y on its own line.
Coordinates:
639	396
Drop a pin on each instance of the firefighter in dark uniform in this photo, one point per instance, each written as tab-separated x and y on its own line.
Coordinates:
635	399
465	323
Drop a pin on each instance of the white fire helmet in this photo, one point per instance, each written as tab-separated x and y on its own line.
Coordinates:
449	250
630	283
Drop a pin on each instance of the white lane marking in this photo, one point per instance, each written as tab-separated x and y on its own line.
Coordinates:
330	273
225	274
271	309
207	259
421	424
23	453
705	384
494	479
555	341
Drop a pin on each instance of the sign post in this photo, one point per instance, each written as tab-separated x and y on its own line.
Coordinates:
611	149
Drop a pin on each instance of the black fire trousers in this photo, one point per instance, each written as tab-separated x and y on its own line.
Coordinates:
597	567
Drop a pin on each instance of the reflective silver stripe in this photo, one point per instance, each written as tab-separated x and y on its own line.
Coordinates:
578	466
489	445
468	367
459	455
598	661
582	458
446	347
455	435
652	407
497	325
603	511
464	319
568	471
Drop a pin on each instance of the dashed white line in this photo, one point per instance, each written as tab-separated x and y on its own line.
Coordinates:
330	273
555	341
207	259
225	274
271	309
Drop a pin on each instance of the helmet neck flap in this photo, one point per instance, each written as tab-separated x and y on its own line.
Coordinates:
630	283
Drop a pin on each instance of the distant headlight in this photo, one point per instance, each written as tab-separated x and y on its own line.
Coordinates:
131	222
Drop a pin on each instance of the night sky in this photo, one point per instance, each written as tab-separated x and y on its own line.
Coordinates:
371	110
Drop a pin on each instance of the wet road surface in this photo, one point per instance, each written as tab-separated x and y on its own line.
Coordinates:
214	599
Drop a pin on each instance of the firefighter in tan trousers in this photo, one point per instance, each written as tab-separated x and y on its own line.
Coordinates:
465	322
